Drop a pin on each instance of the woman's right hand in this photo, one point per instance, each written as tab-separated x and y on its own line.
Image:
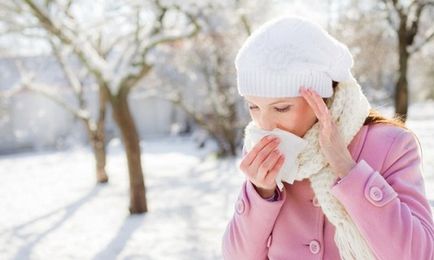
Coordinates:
262	164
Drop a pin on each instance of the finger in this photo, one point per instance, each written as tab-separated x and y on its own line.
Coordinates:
326	119
272	173
317	101
307	96
268	163
322	107
263	154
248	159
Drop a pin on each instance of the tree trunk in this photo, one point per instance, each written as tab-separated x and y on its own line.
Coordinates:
99	140
230	141
226	142
233	131
130	138
100	158
401	89
233	148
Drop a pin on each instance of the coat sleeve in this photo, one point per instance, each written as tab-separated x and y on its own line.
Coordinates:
390	208
247	234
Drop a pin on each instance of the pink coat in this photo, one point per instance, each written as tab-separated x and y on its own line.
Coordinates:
384	194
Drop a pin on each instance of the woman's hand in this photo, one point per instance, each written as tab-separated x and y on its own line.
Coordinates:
330	139
262	164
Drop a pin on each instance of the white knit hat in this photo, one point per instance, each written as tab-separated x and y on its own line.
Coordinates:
287	53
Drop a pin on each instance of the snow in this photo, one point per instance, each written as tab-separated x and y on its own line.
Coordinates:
50	207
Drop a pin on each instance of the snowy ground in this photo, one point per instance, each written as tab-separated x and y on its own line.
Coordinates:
51	209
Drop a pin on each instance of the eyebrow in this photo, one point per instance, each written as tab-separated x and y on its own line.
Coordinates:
279	101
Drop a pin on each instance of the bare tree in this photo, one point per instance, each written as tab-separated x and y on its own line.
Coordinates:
367	34
405	18
214	107
114	49
95	129
206	90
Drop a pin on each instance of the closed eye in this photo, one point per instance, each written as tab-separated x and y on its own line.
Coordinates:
282	109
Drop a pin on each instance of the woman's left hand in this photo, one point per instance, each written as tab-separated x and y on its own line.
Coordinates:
330	139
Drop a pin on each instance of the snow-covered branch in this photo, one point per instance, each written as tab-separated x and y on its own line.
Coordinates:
171	38
130	80
70	75
429	35
47	92
27	84
88	55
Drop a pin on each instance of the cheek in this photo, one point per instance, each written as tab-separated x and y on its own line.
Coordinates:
307	119
299	121
301	115
307	116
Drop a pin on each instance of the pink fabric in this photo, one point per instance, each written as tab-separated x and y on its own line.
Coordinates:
384	194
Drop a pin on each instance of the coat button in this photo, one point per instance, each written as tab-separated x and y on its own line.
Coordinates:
239	207
315	202
375	193
314	247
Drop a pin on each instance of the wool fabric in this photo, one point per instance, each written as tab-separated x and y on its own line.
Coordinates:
287	53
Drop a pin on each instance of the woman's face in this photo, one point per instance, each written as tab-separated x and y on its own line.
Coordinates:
290	114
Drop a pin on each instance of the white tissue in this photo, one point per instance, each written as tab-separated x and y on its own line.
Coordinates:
290	145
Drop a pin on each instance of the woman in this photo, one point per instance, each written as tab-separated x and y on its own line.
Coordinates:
358	192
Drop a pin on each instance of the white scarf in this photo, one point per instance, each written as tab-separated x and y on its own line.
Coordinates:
349	109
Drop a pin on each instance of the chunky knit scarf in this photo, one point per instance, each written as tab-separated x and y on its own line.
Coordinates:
349	109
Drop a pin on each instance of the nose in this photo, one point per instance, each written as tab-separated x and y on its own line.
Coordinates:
266	123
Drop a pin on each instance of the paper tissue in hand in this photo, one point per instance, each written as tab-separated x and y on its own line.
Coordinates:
290	146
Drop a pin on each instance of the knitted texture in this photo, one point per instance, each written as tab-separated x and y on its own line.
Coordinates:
287	53
349	109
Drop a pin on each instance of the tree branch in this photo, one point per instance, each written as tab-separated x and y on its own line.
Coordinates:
158	25
72	77
43	90
176	98
130	80
388	10
428	37
89	56
415	25
412	31
26	83
69	74
246	24
172	38
6	94
397	5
